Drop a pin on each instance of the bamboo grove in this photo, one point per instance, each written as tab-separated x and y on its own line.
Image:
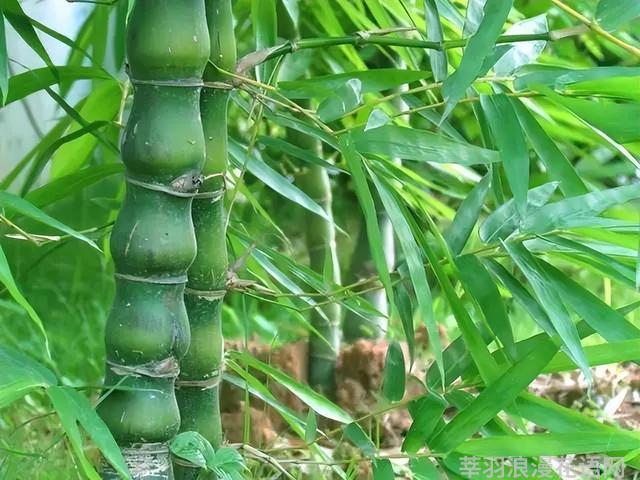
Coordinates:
344	239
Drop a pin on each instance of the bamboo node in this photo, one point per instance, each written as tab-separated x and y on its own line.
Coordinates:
208	294
182	82
214	195
178	188
205	384
175	280
165	368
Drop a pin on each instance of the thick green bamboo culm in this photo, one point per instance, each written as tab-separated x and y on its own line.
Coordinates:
201	369
323	258
153	241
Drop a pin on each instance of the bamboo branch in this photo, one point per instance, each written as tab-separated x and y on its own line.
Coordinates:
377	38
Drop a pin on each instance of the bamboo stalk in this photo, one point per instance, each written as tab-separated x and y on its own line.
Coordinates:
198	389
153	241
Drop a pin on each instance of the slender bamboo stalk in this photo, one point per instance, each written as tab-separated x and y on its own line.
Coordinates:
323	257
153	242
201	369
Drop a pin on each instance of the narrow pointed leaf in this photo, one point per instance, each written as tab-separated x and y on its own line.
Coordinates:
467	215
611	14
438	59
343	100
420	145
478	47
393	382
426	412
510	142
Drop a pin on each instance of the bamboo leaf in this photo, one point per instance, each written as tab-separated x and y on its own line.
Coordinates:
423	469
265	30
365	199
551	302
360	439
6	278
604	354
371	81
74	408
343	100
307	395
504	220
312	426
549	444
193	447
426	412
610	14
393	383
480	285
467	215
420	145
24	84
617	120
66	186
20	375
22	24
23	207
415	265
562	79
577	211
494	398
522	53
609	323
513	149
273	179
478	47
405	311
4	62
383	469
559	167
438	59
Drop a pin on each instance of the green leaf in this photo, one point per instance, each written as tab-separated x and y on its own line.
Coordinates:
478	47
265	30
101	105
344	99
426	412
522	53
312	426
405	312
24	84
393	383
4	62
192	447
6	278
559	167
413	257
616	120
513	149
307	395
604	354
609	323
562	79
467	215
22	24
423	469
383	469
577	211
273	179
360	439
438	59
74	408
64	187
551	302
365	199
371	81
378	118
480	285
494	398
420	145
549	444
20	375
298	152
293	9
23	207
611	14
504	220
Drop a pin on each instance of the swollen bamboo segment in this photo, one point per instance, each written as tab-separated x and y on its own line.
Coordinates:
201	369
153	242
